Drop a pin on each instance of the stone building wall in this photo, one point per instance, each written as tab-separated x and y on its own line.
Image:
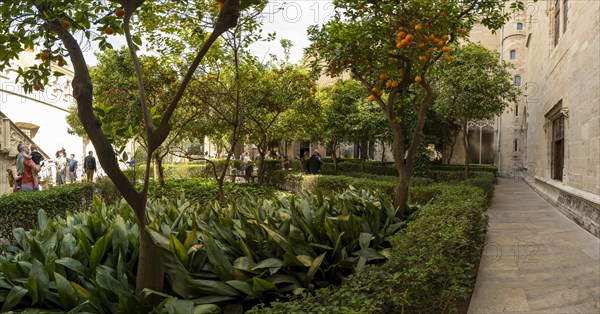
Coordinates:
566	82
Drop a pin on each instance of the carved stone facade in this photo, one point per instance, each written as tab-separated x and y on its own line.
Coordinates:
551	136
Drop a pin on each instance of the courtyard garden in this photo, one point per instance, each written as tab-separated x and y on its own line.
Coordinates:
332	244
177	113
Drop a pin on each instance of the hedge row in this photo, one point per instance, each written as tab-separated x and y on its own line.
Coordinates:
432	265
20	209
326	184
483	168
206	191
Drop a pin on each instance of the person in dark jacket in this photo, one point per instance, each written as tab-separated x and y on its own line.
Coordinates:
314	163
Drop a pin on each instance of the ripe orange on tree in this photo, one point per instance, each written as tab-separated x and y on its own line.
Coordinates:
44	56
371	97
119	12
395	84
418	79
65	24
109	30
383	76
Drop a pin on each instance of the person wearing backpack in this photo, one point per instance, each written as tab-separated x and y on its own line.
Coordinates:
89	165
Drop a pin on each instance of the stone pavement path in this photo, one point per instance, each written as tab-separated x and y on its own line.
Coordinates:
535	260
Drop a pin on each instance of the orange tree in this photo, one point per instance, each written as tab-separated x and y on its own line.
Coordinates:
65	28
389	46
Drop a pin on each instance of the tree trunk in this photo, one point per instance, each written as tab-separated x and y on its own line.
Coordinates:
261	166
221	178
451	152
466	146
159	166
401	197
334	157
382	152
150	270
363	155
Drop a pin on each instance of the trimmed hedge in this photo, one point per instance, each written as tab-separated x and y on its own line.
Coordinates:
204	191
432	265
328	184
481	179
332	184
20	209
371	167
484	168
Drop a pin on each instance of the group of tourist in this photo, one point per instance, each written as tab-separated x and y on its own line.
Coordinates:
29	162
66	168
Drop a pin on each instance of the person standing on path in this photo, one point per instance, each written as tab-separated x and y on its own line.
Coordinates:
61	168
314	163
73	169
89	165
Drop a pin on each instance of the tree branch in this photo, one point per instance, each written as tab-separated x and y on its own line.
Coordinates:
227	18
148	124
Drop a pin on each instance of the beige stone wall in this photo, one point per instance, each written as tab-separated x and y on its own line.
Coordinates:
568	72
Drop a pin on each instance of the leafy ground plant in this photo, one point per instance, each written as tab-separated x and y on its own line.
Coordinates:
216	257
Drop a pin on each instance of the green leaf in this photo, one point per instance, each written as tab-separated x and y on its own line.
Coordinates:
137	40
364	240
305	260
78	309
39	281
207	309
313	269
179	306
215	299
369	254
106	280
244	263
13	298
269	263
99	249
261	285
72	264
120	239
66	293
68	245
178	250
241	286
223	267
42	220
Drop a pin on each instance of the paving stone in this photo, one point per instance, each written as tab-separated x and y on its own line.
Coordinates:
535	260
